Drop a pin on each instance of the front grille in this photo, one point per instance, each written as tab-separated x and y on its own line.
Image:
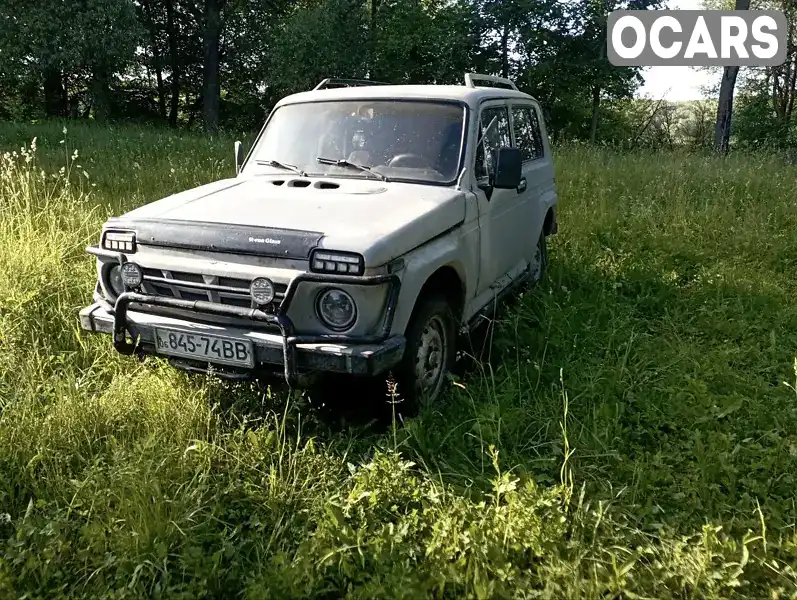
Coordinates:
210	288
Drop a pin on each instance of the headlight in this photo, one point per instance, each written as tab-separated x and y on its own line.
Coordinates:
115	280
122	241
336	309
342	263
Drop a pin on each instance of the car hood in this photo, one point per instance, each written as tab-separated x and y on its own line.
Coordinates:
281	217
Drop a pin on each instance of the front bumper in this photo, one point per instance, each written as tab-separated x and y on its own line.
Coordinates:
296	354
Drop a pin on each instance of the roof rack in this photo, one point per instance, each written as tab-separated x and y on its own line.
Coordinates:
331	82
502	81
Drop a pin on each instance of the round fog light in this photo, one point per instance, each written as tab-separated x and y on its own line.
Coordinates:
132	275
261	290
336	309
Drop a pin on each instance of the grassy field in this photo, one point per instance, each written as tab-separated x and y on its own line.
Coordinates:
637	437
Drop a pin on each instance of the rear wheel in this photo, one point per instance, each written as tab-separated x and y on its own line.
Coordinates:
429	353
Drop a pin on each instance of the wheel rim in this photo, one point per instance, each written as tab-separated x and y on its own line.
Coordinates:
431	358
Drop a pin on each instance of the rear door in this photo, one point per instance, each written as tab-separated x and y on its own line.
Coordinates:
538	176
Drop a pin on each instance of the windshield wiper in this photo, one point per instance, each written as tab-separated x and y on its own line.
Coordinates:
279	165
345	163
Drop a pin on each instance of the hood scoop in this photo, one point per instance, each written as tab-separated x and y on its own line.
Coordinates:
304	183
326	185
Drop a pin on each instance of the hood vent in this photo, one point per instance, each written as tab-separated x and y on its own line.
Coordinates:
303	183
326	185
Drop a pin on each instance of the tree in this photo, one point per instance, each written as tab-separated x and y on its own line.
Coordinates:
109	34
79	42
225	62
423	42
319	39
604	77
167	31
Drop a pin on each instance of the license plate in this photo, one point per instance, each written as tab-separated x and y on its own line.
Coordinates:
204	347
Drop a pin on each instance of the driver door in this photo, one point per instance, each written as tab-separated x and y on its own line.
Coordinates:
502	222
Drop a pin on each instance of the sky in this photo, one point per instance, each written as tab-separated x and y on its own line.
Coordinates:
677	83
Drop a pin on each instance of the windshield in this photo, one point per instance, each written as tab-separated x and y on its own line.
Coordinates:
376	139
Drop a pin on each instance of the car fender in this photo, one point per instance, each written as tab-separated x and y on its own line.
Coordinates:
420	264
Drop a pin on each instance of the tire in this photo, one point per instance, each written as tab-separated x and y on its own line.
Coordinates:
432	327
540	268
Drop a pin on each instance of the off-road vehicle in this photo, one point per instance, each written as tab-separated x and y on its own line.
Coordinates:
369	226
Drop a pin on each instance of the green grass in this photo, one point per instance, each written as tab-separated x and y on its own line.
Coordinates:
636	438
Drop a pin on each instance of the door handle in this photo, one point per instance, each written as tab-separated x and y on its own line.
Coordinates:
522	186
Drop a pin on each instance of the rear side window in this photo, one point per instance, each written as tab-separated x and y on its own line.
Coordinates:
527	132
498	137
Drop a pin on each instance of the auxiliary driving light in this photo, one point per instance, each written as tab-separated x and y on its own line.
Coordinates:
341	263
132	276
261	290
123	241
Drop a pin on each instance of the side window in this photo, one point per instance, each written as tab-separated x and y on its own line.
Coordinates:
527	132
498	137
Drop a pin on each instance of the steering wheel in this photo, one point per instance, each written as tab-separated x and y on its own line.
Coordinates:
415	161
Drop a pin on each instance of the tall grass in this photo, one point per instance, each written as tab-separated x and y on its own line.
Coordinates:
634	436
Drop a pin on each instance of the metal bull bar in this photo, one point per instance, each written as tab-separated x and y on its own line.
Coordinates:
280	318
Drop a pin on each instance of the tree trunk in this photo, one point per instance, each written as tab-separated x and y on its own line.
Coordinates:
29	97
596	107
157	61
193	109
70	104
790	76
722	127
161	88
597	88
505	52
373	71
174	61
54	93
211	86
792	90
100	93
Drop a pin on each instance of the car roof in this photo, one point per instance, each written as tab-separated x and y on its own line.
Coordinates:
470	95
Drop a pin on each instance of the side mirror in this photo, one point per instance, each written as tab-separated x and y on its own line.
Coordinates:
508	169
239	157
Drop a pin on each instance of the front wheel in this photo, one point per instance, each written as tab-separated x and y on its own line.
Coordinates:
429	353
540	266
